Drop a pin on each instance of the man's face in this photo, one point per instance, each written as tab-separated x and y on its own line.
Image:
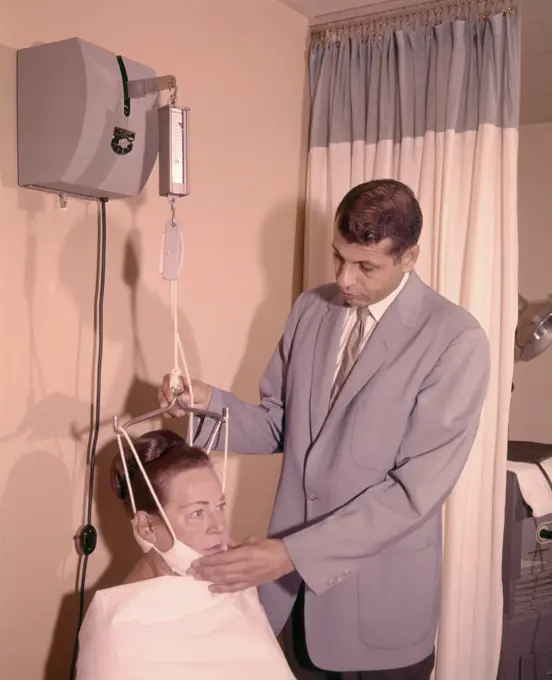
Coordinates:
367	274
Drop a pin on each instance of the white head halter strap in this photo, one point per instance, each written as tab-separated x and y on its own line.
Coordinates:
121	432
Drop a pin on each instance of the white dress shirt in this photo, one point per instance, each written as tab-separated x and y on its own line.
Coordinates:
377	310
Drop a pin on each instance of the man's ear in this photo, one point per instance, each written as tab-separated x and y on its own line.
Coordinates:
144	527
410	258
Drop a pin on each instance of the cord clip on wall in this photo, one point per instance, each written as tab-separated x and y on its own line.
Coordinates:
87	539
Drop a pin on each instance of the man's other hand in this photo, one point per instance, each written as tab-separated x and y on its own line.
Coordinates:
250	564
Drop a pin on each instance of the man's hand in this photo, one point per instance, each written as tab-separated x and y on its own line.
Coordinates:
201	392
249	564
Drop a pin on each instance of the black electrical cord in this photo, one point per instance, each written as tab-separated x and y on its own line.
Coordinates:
87	536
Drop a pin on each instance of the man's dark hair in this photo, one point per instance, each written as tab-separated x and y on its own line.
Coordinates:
383	208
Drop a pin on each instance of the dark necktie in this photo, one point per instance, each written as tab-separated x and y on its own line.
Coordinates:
351	350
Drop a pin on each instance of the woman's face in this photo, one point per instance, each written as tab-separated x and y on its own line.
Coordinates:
195	507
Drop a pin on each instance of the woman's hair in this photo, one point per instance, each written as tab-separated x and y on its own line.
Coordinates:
163	454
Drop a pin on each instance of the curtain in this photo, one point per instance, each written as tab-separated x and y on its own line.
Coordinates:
437	107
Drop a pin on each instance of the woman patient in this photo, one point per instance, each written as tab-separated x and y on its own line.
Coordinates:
161	624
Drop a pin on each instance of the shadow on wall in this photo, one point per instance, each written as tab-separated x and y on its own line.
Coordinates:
255	480
134	318
113	526
270	316
259	475
8	121
41	521
35	518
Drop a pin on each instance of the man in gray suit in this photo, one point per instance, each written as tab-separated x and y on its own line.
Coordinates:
374	395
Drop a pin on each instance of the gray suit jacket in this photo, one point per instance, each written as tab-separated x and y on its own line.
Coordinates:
363	484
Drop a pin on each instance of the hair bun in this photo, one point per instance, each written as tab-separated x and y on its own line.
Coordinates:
149	447
155	444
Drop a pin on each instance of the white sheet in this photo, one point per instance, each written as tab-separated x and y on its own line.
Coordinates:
173	628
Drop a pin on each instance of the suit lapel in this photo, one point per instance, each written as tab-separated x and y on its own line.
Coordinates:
387	336
324	363
371	359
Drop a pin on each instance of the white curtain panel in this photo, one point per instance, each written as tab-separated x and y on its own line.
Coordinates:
438	109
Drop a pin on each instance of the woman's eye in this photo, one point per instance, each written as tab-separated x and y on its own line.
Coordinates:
197	514
222	507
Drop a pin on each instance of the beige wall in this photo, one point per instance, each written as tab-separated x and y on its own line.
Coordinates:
240	65
531	413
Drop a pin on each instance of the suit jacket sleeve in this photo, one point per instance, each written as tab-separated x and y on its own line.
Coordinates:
441	431
258	428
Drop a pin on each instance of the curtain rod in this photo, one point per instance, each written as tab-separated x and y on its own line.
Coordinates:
426	14
362	10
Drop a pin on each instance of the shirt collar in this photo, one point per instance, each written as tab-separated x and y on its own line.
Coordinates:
378	309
